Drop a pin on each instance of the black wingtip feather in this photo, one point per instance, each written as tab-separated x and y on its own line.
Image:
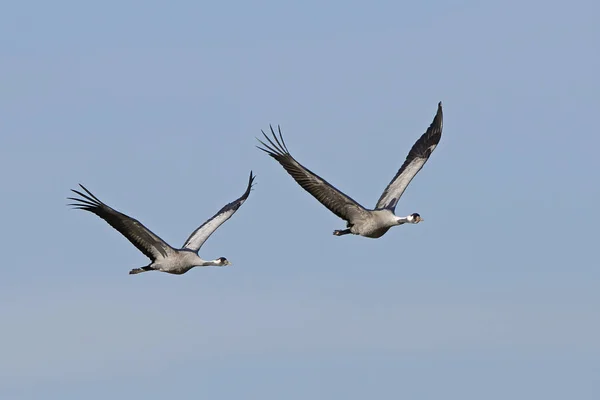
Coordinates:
281	146
90	193
248	189
251	182
281	137
90	202
268	149
89	196
276	147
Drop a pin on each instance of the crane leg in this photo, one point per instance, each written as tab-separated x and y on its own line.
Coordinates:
138	270
341	232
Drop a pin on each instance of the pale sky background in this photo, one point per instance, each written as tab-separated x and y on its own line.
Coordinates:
155	106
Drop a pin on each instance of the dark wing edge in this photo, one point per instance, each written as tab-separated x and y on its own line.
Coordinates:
337	202
416	159
141	237
200	235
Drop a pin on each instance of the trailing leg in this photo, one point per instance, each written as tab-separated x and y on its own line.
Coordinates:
139	270
341	232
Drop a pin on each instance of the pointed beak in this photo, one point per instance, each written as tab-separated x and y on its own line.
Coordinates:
421	219
227	262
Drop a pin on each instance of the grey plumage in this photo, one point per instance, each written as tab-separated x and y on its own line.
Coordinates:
163	257
361	221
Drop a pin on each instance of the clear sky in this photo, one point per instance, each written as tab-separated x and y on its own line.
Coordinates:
155	106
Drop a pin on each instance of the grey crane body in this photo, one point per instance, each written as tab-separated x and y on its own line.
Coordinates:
371	223
163	257
179	262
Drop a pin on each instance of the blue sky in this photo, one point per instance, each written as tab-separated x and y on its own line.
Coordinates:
154	106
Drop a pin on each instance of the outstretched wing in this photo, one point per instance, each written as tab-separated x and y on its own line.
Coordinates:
199	236
337	202
140	236
417	157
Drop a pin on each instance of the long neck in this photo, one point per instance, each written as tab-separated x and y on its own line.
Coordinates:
403	220
213	263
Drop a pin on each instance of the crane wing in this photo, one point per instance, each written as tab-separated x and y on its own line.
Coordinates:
416	159
336	201
200	235
140	236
